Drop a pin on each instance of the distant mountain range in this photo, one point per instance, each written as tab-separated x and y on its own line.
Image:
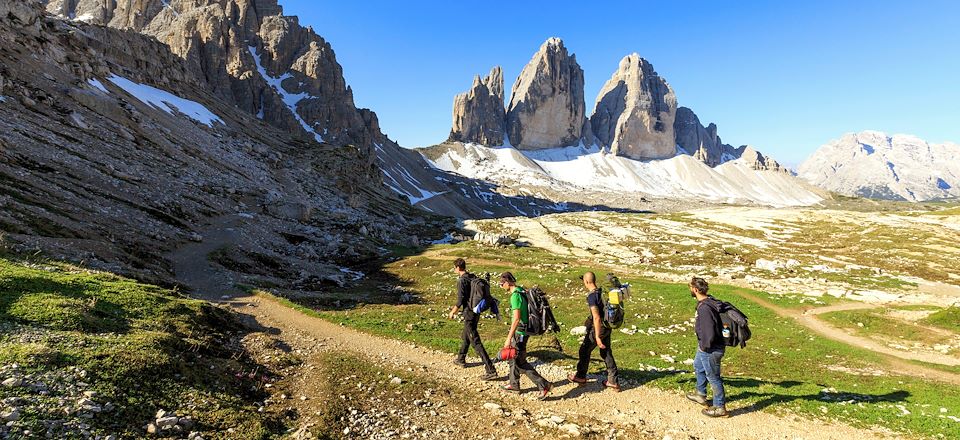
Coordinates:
876	165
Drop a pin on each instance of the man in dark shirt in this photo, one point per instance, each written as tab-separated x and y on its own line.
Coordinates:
470	335
598	335
710	349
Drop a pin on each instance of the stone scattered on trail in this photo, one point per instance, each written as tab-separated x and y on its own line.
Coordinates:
167	421
13	382
396	381
546	423
579	331
490	406
10	416
571	429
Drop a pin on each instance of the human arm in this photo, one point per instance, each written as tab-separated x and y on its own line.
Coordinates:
597	322
463	292
513	328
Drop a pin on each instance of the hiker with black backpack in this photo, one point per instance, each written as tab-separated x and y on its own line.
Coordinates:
517	337
711	346
472	289
598	335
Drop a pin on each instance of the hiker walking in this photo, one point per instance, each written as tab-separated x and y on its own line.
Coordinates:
710	349
517	338
470	335
598	335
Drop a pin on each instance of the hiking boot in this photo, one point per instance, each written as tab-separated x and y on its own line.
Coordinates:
698	398
716	411
577	380
612	386
545	392
490	375
460	362
511	388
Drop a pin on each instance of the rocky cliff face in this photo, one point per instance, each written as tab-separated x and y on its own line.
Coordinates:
874	164
635	112
250	54
546	103
116	151
247	53
478	114
702	142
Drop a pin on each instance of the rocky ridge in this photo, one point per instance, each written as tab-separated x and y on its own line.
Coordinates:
877	165
93	170
635	116
702	142
247	53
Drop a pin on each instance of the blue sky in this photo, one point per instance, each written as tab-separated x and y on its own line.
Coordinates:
785	77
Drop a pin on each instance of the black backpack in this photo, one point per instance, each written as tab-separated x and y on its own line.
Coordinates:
736	322
480	298
540	318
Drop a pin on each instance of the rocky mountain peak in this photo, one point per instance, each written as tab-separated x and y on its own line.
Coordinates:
877	165
546	103
635	111
478	114
758	161
249	53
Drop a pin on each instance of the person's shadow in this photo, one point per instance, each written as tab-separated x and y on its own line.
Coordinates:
768	399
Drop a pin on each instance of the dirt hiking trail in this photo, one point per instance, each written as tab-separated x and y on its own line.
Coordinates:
896	359
668	414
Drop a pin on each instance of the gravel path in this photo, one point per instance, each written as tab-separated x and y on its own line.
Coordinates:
666	413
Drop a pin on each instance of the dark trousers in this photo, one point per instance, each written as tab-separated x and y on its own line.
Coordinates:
586	349
471	336
520	365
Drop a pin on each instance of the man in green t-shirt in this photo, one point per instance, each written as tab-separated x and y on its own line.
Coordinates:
517	337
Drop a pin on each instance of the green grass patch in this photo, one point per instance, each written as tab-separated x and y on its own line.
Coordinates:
951	211
878	325
784	369
948	318
140	347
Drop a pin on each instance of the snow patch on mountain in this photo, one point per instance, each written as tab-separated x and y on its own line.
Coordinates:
163	100
593	168
290	99
874	164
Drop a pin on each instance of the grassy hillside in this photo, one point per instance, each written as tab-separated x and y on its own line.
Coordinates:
785	368
85	352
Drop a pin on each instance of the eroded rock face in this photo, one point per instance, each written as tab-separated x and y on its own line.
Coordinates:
758	161
134	182
249	53
546	104
478	114
635	112
701	142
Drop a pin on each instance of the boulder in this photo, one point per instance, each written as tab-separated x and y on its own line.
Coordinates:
635	112
478	114
546	103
